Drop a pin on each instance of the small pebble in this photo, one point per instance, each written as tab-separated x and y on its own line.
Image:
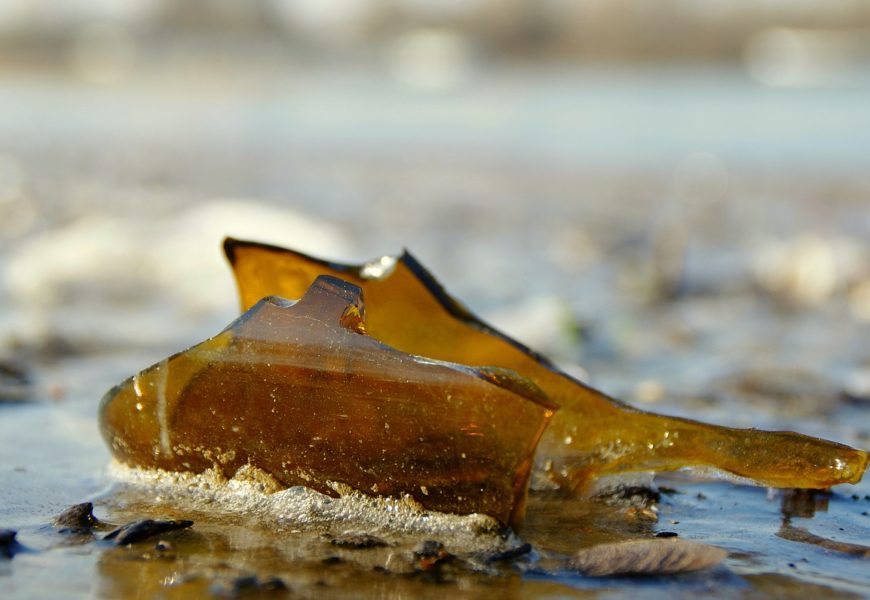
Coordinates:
429	548
77	519
641	514
273	584
430	554
638	496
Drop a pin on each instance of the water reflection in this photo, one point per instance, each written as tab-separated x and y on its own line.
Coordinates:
804	504
225	563
224	550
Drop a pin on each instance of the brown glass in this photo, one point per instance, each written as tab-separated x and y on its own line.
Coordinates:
592	434
300	391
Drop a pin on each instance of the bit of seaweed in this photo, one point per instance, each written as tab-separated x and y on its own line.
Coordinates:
141	530
592	434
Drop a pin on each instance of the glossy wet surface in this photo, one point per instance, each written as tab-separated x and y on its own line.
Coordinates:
672	273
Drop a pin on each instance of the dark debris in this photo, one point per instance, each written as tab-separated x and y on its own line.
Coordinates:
635	495
250	584
138	531
510	554
15	383
78	519
431	554
357	541
9	546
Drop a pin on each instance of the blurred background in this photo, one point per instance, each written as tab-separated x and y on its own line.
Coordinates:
666	193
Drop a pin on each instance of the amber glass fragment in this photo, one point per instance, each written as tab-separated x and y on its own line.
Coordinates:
301	392
592	434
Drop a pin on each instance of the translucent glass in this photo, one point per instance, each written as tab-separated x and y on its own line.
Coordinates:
591	434
300	391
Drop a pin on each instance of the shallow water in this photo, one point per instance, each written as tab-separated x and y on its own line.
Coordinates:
648	254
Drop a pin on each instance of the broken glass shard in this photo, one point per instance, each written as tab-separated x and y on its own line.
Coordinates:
592	434
301	391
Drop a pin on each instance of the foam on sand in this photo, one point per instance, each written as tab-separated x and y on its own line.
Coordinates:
257	495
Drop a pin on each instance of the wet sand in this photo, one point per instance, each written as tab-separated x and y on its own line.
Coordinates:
707	266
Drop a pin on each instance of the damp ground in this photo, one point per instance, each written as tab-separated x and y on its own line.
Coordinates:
663	257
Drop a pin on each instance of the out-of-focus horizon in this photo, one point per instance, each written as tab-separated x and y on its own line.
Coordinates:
617	82
802	39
